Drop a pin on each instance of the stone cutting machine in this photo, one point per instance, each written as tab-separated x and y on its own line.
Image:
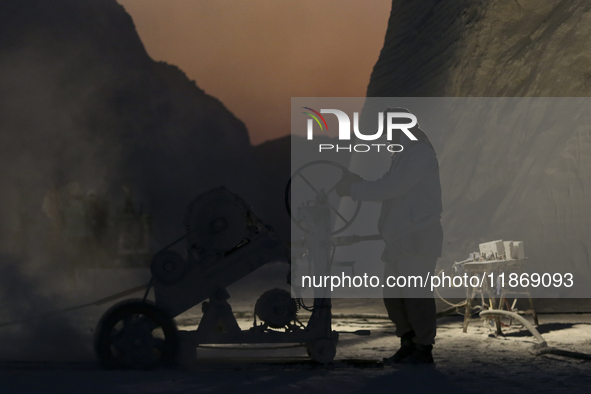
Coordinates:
225	241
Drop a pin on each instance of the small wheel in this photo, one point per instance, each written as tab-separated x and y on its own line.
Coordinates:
322	351
299	173
135	335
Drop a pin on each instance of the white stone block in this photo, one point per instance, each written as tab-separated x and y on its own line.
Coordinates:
519	249
514	250
509	250
494	248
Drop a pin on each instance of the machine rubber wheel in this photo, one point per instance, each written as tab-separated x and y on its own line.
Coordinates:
322	351
135	334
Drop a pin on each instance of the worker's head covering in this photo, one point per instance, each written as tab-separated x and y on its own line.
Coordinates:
416	131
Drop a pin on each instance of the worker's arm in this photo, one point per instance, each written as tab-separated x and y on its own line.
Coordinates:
412	167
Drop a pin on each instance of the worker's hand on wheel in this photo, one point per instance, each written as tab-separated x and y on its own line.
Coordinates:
343	188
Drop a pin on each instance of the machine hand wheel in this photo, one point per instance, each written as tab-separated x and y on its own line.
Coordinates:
311	167
134	334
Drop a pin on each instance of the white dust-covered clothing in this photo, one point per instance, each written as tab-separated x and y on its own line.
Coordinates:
410	192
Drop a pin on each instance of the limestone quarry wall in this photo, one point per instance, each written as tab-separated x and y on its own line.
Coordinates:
507	183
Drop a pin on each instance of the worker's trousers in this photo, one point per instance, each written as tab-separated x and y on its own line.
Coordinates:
413	314
409	263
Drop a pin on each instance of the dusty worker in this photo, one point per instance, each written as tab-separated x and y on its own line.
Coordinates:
410	225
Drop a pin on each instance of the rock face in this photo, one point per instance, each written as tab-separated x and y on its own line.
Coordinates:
82	101
532	186
485	49
84	108
421	42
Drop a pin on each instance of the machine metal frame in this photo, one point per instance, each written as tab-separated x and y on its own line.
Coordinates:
179	284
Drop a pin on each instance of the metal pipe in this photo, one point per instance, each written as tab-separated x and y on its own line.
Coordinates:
542	348
521	319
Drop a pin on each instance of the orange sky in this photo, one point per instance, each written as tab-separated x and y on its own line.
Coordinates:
255	55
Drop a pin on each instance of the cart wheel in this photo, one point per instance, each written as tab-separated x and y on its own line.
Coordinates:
134	334
322	351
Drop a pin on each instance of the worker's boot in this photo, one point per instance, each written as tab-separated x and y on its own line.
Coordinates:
422	354
407	347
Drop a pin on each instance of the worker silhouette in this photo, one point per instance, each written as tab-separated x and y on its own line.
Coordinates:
409	223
